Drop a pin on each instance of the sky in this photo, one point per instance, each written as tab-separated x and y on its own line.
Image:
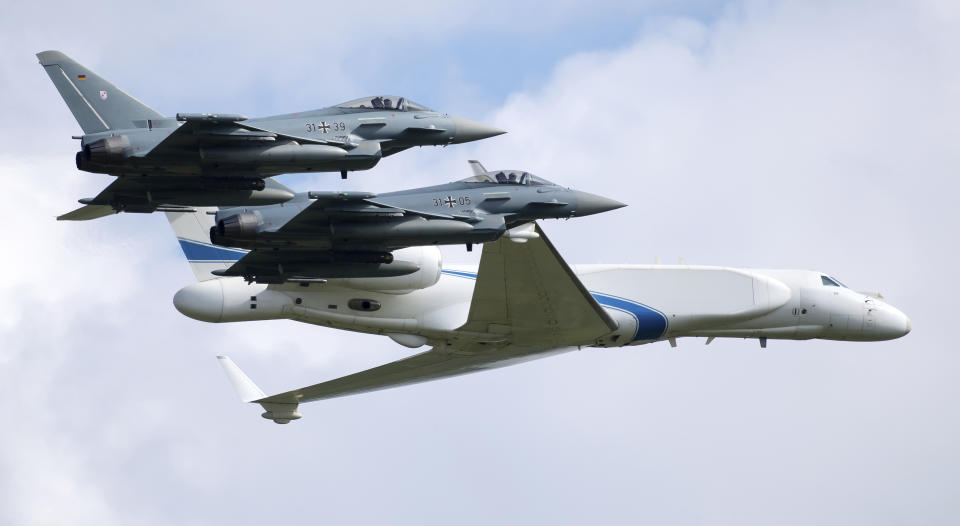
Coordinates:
765	134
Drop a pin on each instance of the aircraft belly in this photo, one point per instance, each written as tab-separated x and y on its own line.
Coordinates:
352	320
434	312
446	317
793	332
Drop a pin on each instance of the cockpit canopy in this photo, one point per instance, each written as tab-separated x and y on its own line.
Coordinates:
508	177
383	102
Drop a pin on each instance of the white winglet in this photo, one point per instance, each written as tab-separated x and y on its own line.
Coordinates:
246	389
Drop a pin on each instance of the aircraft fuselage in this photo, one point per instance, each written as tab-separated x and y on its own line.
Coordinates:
325	140
649	303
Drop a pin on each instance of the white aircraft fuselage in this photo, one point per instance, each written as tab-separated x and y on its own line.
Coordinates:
648	302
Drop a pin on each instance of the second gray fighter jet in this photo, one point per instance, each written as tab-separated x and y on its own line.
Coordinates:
333	235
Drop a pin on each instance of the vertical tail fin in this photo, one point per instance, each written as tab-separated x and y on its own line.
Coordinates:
96	104
193	233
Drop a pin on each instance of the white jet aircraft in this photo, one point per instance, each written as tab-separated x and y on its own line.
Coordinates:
524	302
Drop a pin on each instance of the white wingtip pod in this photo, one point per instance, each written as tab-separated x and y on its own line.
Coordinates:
249	392
522	233
280	413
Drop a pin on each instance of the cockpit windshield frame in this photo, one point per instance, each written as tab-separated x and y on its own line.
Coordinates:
829	281
514	177
382	103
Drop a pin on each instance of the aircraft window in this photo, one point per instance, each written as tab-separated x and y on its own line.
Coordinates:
829	282
509	177
413	106
533	180
383	102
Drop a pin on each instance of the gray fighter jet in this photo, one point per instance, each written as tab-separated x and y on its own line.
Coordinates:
335	235
224	159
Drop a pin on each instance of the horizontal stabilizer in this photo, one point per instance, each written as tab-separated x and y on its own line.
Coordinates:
246	389
88	212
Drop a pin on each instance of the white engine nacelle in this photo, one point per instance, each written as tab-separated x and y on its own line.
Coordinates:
429	260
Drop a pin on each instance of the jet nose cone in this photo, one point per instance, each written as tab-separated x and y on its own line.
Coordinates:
898	326
897	323
889	324
467	130
905	330
588	204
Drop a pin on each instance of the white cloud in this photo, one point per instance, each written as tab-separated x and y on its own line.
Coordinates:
777	134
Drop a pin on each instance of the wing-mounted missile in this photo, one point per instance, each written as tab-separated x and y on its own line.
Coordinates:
396	273
211	118
340	197
156	194
301	266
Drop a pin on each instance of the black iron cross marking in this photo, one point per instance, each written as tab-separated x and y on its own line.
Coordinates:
324	126
450	201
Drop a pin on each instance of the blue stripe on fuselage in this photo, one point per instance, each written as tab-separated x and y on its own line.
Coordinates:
651	323
196	251
460	274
